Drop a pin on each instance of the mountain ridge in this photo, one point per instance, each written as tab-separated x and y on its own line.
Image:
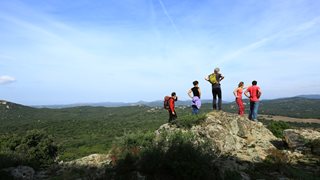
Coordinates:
156	103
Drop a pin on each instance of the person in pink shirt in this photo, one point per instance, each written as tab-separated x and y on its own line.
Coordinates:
253	93
238	94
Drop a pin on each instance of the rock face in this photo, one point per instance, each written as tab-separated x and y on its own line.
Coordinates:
234	135
297	139
23	172
94	160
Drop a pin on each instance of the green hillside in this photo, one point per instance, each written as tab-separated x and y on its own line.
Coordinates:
80	131
296	107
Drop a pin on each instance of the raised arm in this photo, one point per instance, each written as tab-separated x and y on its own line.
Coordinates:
235	92
190	93
206	78
221	78
246	93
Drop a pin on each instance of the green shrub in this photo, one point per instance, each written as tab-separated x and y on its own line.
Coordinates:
36	149
277	128
190	120
315	146
174	155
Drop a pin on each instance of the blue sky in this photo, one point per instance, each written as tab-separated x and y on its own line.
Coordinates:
61	52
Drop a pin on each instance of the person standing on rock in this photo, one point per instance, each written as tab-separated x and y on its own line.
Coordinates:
238	94
169	105
253	93
195	93
215	78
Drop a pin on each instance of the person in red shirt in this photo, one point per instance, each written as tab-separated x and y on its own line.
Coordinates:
172	113
253	93
238	94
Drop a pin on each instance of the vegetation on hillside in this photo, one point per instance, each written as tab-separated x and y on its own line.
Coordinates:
167	157
72	133
35	149
81	131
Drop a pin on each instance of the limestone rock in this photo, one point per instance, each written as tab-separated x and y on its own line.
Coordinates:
297	139
93	160
231	134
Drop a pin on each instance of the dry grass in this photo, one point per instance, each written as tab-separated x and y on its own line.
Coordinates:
289	119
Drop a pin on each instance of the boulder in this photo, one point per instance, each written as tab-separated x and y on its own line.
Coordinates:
302	140
231	134
23	172
93	160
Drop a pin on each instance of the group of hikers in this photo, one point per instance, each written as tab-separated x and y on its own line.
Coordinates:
253	92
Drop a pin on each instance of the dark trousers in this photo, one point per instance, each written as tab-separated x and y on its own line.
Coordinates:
216	92
172	117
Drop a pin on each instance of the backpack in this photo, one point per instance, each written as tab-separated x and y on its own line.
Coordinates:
213	79
166	104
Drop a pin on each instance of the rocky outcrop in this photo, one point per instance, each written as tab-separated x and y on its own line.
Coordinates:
231	134
21	172
305	140
93	160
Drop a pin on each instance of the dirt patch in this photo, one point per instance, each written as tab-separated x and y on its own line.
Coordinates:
289	119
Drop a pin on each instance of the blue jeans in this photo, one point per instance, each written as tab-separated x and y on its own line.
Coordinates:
253	115
195	110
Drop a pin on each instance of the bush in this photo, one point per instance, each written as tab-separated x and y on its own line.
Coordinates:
277	128
171	156
315	146
36	149
190	120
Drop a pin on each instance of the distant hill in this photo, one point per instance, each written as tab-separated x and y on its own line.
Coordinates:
158	103
102	104
313	96
6	106
297	107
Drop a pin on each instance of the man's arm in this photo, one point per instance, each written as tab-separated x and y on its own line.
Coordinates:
207	78
221	78
259	93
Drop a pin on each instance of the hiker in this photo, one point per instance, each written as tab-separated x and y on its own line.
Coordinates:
253	93
215	79
169	105
195	93
238	94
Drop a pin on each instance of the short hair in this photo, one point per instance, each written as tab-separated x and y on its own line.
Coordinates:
195	83
254	82
173	94
217	70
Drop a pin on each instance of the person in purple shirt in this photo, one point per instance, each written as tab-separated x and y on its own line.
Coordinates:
195	93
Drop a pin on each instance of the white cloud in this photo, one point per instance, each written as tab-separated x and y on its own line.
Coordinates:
6	79
283	35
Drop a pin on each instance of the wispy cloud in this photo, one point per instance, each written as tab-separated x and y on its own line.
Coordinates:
283	35
6	79
169	17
